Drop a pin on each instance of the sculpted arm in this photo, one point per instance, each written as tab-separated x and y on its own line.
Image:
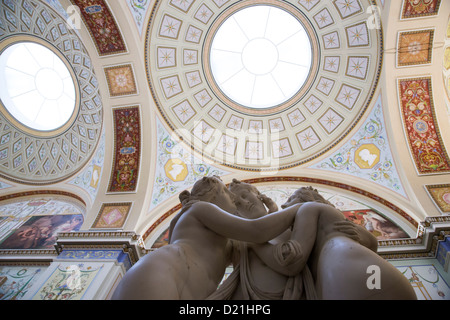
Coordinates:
290	257
313	216
287	257
270	204
250	230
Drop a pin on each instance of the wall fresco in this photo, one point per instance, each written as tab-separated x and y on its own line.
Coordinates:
102	26
421	129
127	153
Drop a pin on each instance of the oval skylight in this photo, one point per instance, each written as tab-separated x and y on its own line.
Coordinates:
37	87
260	56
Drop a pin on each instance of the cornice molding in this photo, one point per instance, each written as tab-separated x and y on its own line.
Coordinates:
430	232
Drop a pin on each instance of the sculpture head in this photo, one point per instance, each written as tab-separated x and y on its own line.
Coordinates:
305	194
248	200
209	189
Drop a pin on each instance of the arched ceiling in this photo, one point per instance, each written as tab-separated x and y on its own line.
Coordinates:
149	106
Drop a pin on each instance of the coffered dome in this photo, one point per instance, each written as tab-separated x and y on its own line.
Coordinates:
51	110
263	85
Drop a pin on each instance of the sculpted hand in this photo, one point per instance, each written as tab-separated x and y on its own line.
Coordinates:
290	255
358	233
349	228
270	204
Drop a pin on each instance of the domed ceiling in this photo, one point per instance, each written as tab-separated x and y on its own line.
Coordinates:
28	153
320	60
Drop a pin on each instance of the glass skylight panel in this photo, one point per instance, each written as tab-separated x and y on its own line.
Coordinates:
260	56
38	89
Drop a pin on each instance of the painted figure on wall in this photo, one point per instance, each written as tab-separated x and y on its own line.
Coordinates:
40	232
380	227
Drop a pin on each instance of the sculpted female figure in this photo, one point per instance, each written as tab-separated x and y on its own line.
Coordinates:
340	266
254	278
273	270
193	263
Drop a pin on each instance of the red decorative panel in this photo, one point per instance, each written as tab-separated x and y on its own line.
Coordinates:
127	153
102	26
421	128
420	8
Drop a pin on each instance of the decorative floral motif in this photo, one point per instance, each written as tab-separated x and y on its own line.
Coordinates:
103	27
121	80
89	178
177	169
170	27
441	196
68	282
183	5
331	40
423	134
357	35
426	281
308	138
367	154
112	215
330	120
139	9
281	148
420	8
127	132
17	281
347	8
323	18
415	47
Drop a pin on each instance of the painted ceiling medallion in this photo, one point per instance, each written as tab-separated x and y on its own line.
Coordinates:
264	91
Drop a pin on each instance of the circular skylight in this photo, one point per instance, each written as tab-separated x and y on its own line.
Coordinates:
37	87
260	56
